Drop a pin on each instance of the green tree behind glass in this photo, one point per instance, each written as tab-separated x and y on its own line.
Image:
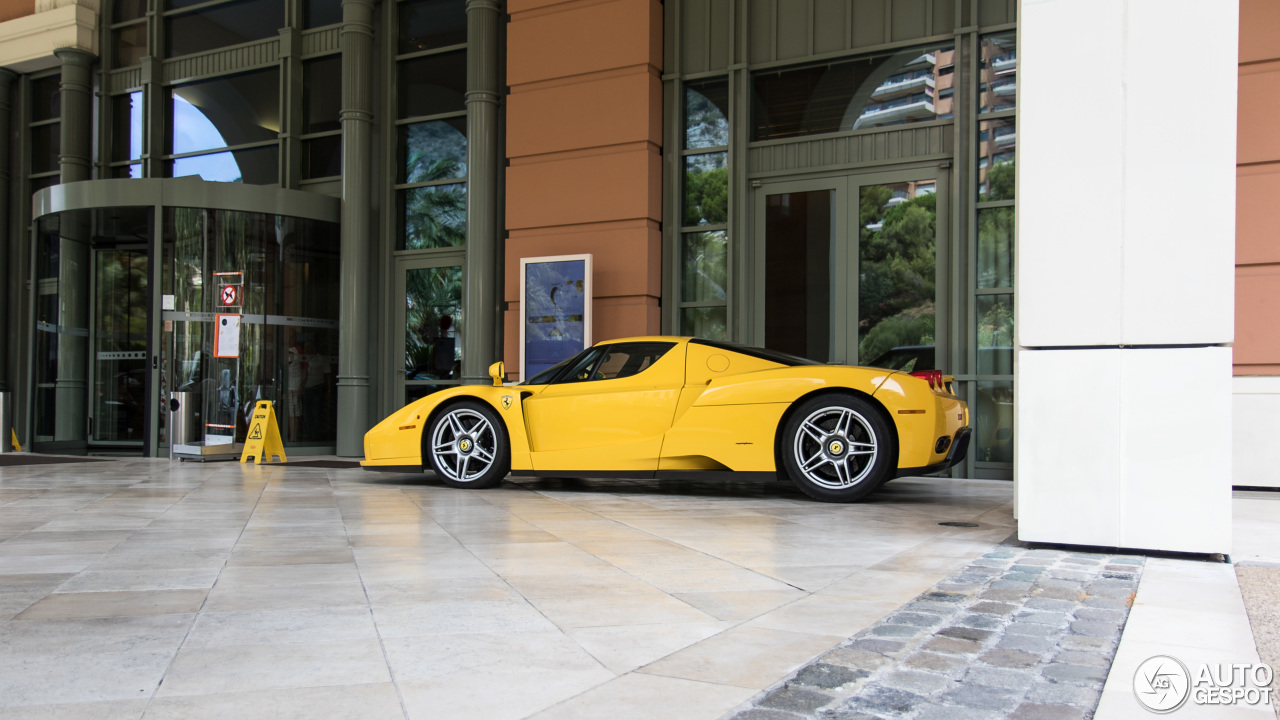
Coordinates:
898	273
436	216
706	190
430	294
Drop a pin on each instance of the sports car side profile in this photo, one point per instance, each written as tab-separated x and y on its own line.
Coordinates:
680	407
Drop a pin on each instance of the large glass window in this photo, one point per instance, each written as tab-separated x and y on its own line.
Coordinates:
433	150
43	131
45	141
218	26
994	223
996	159
704	242
798	270
287	269
129	44
319	13
321	126
126	134
433	329
253	166
897	269
126	10
876	91
432	24
433	84
431	127
46	98
998	74
227	129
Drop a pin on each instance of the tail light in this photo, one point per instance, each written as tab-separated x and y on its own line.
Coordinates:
933	377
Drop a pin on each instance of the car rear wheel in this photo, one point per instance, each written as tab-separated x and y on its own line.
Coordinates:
837	448
467	446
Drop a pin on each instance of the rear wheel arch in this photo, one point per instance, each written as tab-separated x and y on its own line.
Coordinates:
795	404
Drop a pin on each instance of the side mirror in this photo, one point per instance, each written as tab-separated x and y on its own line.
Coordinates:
498	372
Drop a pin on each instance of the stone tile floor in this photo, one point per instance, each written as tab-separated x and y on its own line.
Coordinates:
136	588
1019	633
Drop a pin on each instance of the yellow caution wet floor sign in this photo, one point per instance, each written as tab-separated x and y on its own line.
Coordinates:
263	440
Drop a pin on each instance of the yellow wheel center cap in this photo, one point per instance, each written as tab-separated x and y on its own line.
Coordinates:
464	445
836	447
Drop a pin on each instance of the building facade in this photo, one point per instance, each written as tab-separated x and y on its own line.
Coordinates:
837	179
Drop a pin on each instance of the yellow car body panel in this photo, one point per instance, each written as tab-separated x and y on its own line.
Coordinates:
724	437
614	424
397	440
921	417
698	407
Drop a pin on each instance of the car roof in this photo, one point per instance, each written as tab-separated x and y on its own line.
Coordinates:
644	338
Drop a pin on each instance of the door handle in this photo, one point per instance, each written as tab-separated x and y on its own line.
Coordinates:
155	363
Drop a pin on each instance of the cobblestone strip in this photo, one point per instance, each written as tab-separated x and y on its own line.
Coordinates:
1019	633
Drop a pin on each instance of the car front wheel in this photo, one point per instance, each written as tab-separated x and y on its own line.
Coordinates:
837	448
467	446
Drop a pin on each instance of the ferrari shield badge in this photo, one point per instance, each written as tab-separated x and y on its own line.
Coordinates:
506	402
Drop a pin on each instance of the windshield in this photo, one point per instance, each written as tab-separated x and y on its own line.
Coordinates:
546	376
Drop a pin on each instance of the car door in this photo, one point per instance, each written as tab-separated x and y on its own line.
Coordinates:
608	412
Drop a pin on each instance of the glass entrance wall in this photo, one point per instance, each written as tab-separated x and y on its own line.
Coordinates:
846	97
61	365
897	271
798	268
120	330
432	328
92	317
284	275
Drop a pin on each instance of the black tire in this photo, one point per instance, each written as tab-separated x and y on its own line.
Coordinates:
837	448
467	447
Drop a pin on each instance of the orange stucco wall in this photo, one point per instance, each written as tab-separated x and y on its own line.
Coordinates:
10	9
1257	340
584	143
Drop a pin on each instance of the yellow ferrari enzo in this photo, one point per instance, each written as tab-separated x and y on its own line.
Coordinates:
680	407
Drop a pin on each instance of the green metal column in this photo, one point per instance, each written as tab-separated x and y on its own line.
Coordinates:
77	115
480	303
354	344
72	388
7	274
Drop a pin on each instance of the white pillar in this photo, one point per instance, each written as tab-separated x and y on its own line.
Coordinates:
1125	272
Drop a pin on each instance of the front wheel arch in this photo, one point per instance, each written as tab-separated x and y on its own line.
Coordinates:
795	404
500	426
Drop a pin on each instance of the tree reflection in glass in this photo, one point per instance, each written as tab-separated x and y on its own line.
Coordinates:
434	215
433	329
704	267
706	114
898	267
706	189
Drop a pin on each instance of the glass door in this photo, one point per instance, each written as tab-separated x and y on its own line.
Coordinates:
897	275
802	269
118	369
847	269
430	314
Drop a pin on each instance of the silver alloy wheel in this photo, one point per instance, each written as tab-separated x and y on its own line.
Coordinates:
464	445
835	447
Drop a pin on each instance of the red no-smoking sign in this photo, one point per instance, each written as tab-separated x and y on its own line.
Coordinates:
230	295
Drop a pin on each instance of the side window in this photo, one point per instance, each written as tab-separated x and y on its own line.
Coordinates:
627	359
583	369
611	362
